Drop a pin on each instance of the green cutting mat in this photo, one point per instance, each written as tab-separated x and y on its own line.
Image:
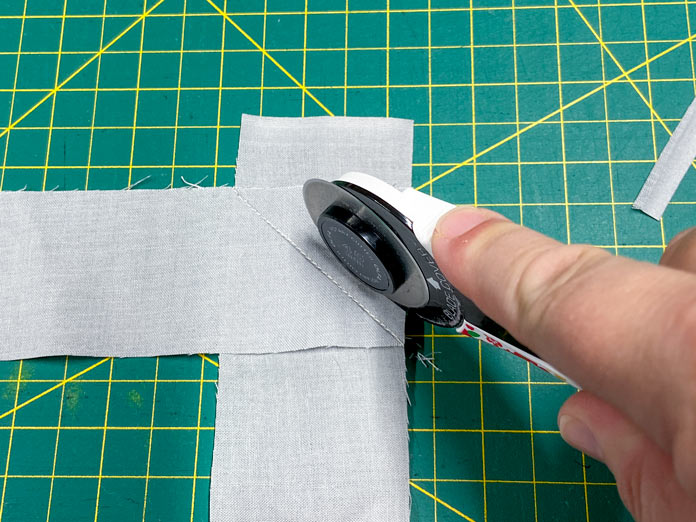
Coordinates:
521	106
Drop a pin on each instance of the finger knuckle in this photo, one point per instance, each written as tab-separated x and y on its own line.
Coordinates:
547	279
631	484
683	456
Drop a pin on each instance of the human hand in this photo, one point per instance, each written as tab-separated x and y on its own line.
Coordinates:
623	330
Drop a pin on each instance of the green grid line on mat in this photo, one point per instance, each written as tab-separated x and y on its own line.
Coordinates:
162	105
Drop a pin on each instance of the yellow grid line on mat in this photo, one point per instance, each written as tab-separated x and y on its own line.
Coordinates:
14	92
9	444
568	105
149	440
441	502
561	114
267	55
304	58
604	46
53	100
77	71
36	397
103	443
198	438
263	57
610	162
92	127
283	50
178	93
219	107
55	450
306	92
360	11
137	94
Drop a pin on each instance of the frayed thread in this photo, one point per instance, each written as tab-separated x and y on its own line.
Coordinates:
137	182
193	185
426	360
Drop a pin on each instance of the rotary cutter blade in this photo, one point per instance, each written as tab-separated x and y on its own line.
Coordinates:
382	236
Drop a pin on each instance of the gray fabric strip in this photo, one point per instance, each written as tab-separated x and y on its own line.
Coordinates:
275	151
301	433
318	434
670	168
140	272
311	436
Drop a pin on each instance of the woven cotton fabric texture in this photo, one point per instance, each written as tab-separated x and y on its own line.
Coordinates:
315	435
311	413
318	434
156	272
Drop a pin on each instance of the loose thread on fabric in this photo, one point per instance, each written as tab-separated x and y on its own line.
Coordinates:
427	360
318	267
135	184
193	185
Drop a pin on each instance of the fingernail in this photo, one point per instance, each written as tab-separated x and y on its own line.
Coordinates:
462	219
578	434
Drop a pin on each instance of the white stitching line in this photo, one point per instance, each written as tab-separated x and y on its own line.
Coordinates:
316	265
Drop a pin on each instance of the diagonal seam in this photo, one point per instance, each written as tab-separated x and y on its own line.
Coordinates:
62	84
526	128
616	62
263	50
441	502
55	387
318	267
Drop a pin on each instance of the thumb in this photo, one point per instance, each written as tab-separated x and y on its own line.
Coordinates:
644	474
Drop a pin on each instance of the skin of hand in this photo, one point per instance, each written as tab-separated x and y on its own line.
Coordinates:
623	329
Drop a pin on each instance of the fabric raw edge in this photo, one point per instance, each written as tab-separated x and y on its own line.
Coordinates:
670	168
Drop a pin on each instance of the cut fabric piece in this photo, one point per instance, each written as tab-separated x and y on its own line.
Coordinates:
670	168
156	272
238	271
312	436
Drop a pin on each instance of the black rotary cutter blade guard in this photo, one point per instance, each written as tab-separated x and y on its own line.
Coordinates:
352	223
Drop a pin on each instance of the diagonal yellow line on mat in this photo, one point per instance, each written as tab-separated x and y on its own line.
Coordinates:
206	358
269	57
526	128
442	502
616	62
54	387
58	87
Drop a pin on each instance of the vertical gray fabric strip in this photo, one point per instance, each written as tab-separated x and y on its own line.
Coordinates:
670	168
321	434
311	436
275	151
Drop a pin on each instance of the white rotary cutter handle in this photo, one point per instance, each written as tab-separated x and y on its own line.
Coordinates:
383	237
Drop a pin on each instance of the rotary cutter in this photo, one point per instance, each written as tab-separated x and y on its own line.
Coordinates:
382	236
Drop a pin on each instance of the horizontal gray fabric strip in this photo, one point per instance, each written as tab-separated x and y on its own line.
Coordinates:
312	436
670	168
140	272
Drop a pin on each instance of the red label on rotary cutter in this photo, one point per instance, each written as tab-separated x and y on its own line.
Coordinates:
476	333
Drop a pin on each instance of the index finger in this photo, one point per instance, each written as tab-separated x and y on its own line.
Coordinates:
623	329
